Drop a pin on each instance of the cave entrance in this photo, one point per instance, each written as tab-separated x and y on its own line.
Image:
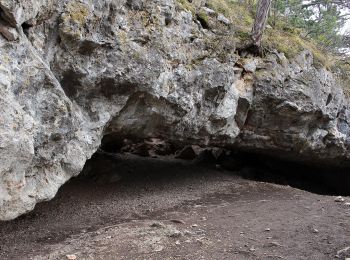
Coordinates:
123	159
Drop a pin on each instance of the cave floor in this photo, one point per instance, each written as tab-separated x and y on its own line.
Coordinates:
171	209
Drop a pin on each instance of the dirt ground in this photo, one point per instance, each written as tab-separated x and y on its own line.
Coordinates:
166	209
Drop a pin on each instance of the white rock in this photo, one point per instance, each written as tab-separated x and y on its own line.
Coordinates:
339	199
208	10
223	19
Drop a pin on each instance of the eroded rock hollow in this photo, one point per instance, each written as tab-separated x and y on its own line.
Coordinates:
72	72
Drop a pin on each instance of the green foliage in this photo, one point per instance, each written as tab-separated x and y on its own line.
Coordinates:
320	20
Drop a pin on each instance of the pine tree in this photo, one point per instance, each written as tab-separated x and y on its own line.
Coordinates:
260	22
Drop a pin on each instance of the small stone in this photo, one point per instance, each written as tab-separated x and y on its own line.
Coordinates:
199	241
223	19
71	257
249	65
178	221
187	232
347	203
135	4
175	233
157	225
177	242
339	199
343	252
204	218
200	231
158	248
208	10
315	230
267	229
194	225
274	243
252	249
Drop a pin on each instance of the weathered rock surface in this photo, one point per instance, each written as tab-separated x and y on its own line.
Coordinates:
299	112
81	70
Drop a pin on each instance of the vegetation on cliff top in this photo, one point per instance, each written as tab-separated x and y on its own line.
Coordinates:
290	30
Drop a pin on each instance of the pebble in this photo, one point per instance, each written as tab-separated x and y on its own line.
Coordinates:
343	251
71	257
199	241
208	10
315	230
157	225
175	233
223	19
187	232
267	229
347	204
178	221
339	199
177	242
200	231
158	248
274	243
194	225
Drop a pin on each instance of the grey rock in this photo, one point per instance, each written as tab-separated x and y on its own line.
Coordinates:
298	113
21	11
208	10
8	32
135	4
187	153
249	65
339	199
223	19
141	70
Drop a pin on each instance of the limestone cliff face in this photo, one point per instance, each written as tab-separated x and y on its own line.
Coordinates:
72	72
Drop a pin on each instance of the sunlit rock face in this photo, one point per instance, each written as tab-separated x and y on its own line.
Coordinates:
72	72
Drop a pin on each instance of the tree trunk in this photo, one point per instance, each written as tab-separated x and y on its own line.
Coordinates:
260	21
